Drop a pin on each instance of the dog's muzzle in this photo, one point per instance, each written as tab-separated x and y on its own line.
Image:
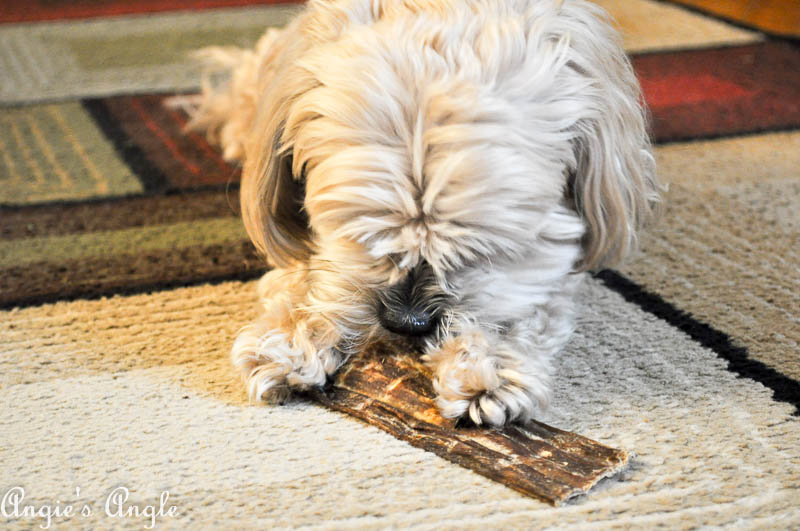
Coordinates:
407	308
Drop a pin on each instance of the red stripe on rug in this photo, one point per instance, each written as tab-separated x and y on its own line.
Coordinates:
40	10
180	119
164	137
687	90
724	91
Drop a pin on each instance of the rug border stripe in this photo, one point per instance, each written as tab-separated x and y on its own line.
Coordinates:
784	389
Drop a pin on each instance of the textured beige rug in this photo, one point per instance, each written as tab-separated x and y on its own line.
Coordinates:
124	408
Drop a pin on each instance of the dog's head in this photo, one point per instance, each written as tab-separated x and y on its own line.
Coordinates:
418	158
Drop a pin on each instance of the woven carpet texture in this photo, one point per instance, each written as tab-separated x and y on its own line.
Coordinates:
125	273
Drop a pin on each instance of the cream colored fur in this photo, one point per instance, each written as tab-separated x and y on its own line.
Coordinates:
502	142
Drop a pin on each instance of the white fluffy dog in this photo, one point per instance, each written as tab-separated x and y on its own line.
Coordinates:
443	169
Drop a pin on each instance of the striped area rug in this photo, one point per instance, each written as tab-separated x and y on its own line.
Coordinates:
125	273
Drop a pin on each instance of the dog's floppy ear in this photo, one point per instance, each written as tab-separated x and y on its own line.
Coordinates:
613	184
272	204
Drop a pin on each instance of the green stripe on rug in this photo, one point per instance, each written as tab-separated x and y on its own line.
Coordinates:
102	53
122	55
120	242
55	152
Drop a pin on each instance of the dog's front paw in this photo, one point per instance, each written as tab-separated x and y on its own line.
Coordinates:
496	404
266	382
271	367
470	381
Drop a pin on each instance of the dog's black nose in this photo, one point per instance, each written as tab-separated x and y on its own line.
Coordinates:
411	307
407	321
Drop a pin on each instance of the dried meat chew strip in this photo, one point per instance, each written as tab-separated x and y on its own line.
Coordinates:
389	388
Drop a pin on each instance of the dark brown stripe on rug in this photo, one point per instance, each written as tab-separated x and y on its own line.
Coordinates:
43	282
724	91
57	219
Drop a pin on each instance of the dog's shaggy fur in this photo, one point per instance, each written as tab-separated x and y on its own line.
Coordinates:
462	159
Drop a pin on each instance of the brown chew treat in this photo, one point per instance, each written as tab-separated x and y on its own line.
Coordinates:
389	388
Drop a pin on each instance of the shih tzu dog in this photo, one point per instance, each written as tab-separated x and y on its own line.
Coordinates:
441	169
